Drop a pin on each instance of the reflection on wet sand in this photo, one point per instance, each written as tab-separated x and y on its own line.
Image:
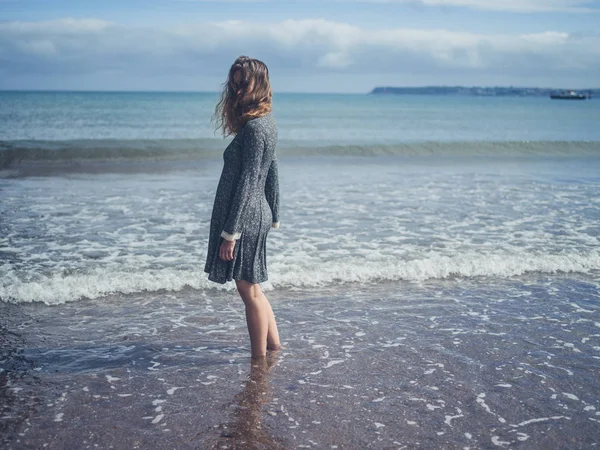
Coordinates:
246	430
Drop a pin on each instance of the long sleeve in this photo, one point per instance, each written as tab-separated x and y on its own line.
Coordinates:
253	147
272	191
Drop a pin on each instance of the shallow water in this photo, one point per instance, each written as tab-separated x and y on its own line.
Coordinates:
343	220
449	363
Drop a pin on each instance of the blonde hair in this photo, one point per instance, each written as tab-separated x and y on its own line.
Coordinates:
247	99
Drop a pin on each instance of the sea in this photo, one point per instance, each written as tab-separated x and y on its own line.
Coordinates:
420	236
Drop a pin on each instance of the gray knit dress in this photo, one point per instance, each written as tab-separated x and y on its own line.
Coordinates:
246	204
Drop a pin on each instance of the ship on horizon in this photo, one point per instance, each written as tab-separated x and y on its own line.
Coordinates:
568	95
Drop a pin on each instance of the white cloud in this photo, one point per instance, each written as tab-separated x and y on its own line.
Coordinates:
523	6
297	47
502	5
66	25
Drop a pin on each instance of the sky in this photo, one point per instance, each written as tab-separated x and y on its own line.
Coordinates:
346	46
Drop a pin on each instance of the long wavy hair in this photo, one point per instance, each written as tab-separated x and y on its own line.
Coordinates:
246	98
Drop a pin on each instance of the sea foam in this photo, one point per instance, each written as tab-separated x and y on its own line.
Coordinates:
57	289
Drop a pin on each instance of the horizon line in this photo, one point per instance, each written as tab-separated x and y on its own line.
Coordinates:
190	91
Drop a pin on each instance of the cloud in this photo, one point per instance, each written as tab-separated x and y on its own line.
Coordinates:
520	6
300	47
523	6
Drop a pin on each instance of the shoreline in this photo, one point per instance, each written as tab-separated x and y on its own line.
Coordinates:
437	364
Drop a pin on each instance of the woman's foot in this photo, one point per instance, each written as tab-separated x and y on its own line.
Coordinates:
275	348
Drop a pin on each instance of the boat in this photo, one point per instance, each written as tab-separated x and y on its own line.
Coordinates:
568	95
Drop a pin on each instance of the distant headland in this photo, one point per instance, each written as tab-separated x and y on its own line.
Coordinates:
493	91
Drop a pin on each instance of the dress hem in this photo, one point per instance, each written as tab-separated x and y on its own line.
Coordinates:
221	281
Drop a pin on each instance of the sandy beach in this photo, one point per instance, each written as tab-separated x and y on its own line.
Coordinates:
411	365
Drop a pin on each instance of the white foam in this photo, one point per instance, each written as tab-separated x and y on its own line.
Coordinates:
92	236
58	288
480	400
448	418
540	419
498	442
435	266
172	390
333	362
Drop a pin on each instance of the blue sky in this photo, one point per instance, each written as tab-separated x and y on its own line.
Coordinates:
309	45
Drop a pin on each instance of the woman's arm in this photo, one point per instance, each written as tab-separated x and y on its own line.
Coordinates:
253	147
272	191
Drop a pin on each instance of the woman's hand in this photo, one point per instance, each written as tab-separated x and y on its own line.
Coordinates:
226	250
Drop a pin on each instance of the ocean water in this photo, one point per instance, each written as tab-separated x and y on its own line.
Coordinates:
119	190
436	276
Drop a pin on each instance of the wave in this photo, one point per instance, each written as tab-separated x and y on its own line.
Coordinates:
81	150
15	152
499	149
58	288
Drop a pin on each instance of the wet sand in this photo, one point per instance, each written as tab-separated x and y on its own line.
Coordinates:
446	364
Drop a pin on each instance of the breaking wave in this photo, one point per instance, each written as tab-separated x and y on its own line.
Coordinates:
58	288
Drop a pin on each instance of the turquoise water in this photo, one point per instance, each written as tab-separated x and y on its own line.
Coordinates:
304	119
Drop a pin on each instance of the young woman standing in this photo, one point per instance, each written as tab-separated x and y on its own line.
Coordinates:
247	199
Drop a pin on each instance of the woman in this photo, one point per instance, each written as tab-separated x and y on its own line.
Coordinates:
247	199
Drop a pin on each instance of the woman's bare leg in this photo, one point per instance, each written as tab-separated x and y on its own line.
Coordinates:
273	342
259	318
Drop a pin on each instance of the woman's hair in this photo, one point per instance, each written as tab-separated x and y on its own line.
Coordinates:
248	99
